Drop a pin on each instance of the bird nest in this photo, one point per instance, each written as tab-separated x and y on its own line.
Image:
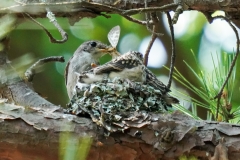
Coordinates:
118	104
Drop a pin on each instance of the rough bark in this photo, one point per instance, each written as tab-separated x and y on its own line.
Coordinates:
33	134
78	8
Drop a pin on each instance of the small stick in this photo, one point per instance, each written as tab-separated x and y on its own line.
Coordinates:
135	20
153	31
52	39
178	11
173	57
30	72
150	9
154	36
52	19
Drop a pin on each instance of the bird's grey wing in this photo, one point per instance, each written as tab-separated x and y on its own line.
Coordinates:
117	65
153	81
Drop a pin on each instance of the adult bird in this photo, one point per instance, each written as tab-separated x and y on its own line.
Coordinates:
84	57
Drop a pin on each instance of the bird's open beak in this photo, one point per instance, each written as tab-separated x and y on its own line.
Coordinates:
112	51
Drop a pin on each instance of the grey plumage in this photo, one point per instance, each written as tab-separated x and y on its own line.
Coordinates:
128	66
87	53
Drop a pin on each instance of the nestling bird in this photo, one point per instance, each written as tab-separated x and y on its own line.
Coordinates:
128	66
86	56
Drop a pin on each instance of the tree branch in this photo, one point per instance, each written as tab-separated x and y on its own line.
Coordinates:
30	128
173	56
121	7
30	72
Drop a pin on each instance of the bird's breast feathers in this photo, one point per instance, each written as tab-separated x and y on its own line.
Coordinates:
136	74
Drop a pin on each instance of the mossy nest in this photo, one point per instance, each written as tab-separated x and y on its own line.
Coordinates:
118	104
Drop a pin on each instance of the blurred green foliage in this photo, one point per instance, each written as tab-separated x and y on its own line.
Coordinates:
210	84
72	148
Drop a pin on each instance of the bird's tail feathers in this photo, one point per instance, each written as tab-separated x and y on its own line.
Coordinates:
170	100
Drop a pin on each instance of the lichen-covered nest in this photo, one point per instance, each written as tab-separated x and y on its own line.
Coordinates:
118	104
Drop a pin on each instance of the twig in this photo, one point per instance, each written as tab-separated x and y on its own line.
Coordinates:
97	5
147	17
52	39
154	36
218	105
52	19
154	30
134	20
218	96
152	20
30	73
113	9
178	11
29	5
129	12
148	23
150	9
173	56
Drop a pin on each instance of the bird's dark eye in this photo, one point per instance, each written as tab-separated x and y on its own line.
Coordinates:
93	44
